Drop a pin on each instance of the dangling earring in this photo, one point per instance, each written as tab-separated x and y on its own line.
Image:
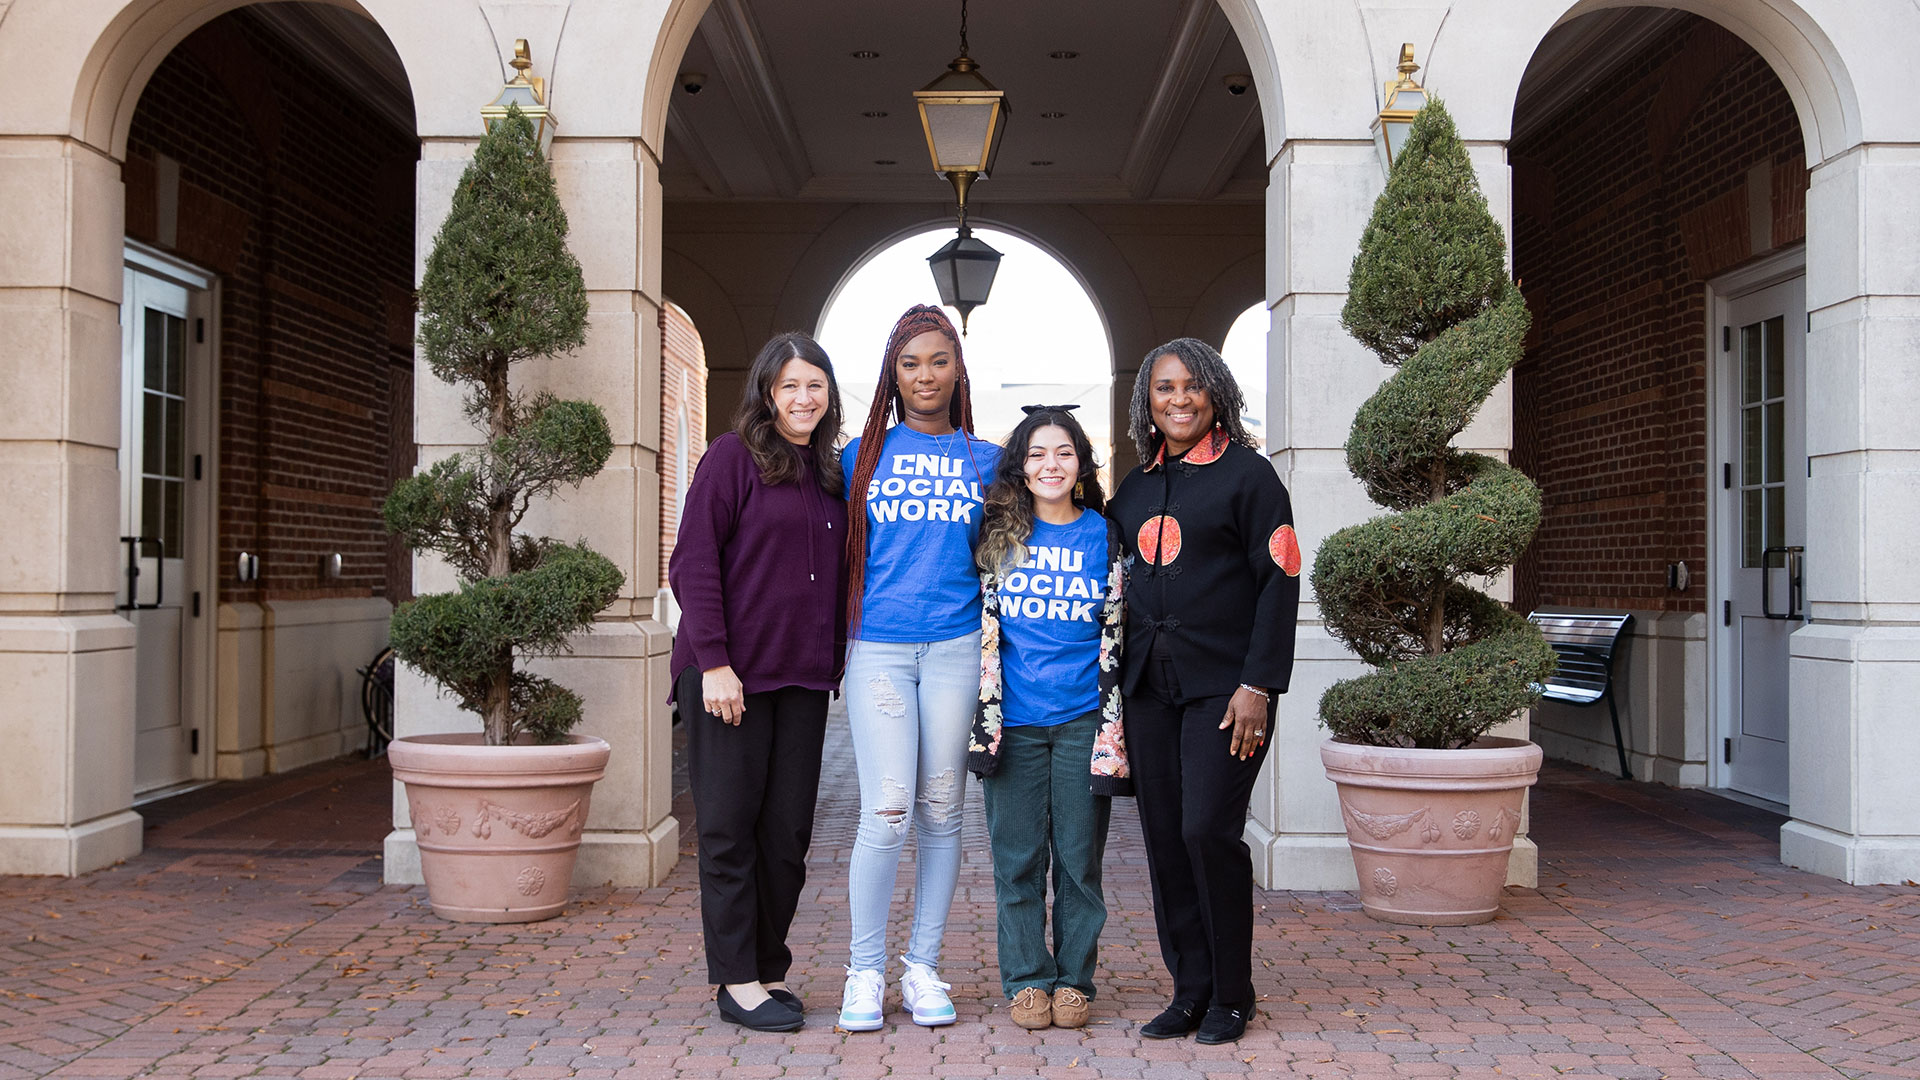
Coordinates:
1080	491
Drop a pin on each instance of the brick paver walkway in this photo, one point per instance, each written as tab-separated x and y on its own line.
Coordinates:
253	938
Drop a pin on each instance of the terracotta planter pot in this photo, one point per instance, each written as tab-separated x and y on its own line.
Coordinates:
1431	829
498	826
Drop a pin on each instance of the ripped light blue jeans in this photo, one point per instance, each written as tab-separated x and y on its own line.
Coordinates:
909	706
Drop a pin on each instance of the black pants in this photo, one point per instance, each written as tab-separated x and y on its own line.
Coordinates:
753	792
1193	797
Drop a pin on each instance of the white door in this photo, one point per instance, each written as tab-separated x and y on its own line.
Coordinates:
1762	529
156	471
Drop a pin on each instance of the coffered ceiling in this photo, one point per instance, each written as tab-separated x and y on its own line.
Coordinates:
1113	100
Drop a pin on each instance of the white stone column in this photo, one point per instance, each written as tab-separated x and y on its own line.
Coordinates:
66	658
1319	198
611	190
1855	671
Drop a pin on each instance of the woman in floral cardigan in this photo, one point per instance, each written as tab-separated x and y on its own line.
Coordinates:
1047	740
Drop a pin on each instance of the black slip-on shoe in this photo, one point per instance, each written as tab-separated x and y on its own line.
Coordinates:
1224	1025
788	998
1175	1021
771	1015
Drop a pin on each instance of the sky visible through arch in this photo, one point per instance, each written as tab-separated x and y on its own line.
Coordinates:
1037	340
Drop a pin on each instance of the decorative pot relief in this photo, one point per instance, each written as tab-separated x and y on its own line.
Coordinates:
530	825
530	881
1384	882
1386	826
447	819
1505	822
1466	823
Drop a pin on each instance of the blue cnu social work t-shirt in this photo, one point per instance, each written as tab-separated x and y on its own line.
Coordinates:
923	518
1050	624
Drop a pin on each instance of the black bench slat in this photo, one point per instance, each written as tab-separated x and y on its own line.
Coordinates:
1584	644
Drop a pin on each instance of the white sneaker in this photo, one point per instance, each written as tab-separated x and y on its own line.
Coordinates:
924	995
860	1002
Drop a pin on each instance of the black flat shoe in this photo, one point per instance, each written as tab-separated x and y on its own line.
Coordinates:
788	998
1175	1021
1224	1025
771	1015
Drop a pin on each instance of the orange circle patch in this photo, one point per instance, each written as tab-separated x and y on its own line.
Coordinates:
1159	531
1285	549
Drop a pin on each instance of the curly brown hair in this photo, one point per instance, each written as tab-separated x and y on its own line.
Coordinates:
1007	520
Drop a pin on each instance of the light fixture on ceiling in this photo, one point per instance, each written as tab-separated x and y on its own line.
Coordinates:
1404	99
1040	164
1055	115
965	118
864	54
885	161
529	93
1063	54
875	114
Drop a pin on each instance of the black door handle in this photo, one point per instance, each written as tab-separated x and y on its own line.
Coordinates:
136	544
1791	565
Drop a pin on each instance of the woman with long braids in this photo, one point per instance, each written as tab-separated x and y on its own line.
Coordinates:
1046	741
1213	591
759	572
913	515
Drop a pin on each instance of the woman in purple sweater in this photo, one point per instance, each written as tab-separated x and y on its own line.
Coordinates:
759	572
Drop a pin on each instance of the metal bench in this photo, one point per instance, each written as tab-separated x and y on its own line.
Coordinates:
1585	643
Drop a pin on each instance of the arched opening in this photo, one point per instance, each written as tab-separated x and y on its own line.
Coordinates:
791	150
1659	233
1245	351
268	386
1040	340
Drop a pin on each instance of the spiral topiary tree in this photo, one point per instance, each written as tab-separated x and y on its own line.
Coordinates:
501	287
1430	295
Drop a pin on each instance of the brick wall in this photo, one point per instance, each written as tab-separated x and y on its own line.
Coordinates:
1624	208
683	395
302	203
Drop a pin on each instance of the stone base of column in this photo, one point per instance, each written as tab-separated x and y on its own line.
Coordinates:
1321	862
1856	860
67	850
640	859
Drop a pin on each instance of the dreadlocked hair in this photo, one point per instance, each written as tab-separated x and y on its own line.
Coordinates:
887	405
1007	519
1205	365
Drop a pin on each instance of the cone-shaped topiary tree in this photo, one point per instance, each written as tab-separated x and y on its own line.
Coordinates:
1429	293
501	287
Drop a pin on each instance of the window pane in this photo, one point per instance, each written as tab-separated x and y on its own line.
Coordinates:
1750	446
177	437
1776	442
1776	516
152	510
1750	364
153	433
176	492
1750	526
1776	351
155	340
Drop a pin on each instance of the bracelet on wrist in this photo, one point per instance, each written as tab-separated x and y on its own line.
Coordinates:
1251	689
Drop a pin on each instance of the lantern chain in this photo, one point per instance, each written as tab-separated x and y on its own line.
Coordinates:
963	27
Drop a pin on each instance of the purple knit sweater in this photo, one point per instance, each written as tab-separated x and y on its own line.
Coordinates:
760	574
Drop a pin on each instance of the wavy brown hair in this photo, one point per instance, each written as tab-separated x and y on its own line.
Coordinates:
888	406
754	421
1007	520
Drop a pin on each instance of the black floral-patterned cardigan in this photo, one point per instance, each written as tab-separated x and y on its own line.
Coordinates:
1109	774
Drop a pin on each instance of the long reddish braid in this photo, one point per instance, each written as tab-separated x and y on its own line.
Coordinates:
887	405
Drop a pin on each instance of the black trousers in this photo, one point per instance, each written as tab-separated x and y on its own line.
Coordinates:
1193	798
753	793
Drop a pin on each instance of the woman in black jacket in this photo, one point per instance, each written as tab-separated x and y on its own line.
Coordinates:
1213	592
